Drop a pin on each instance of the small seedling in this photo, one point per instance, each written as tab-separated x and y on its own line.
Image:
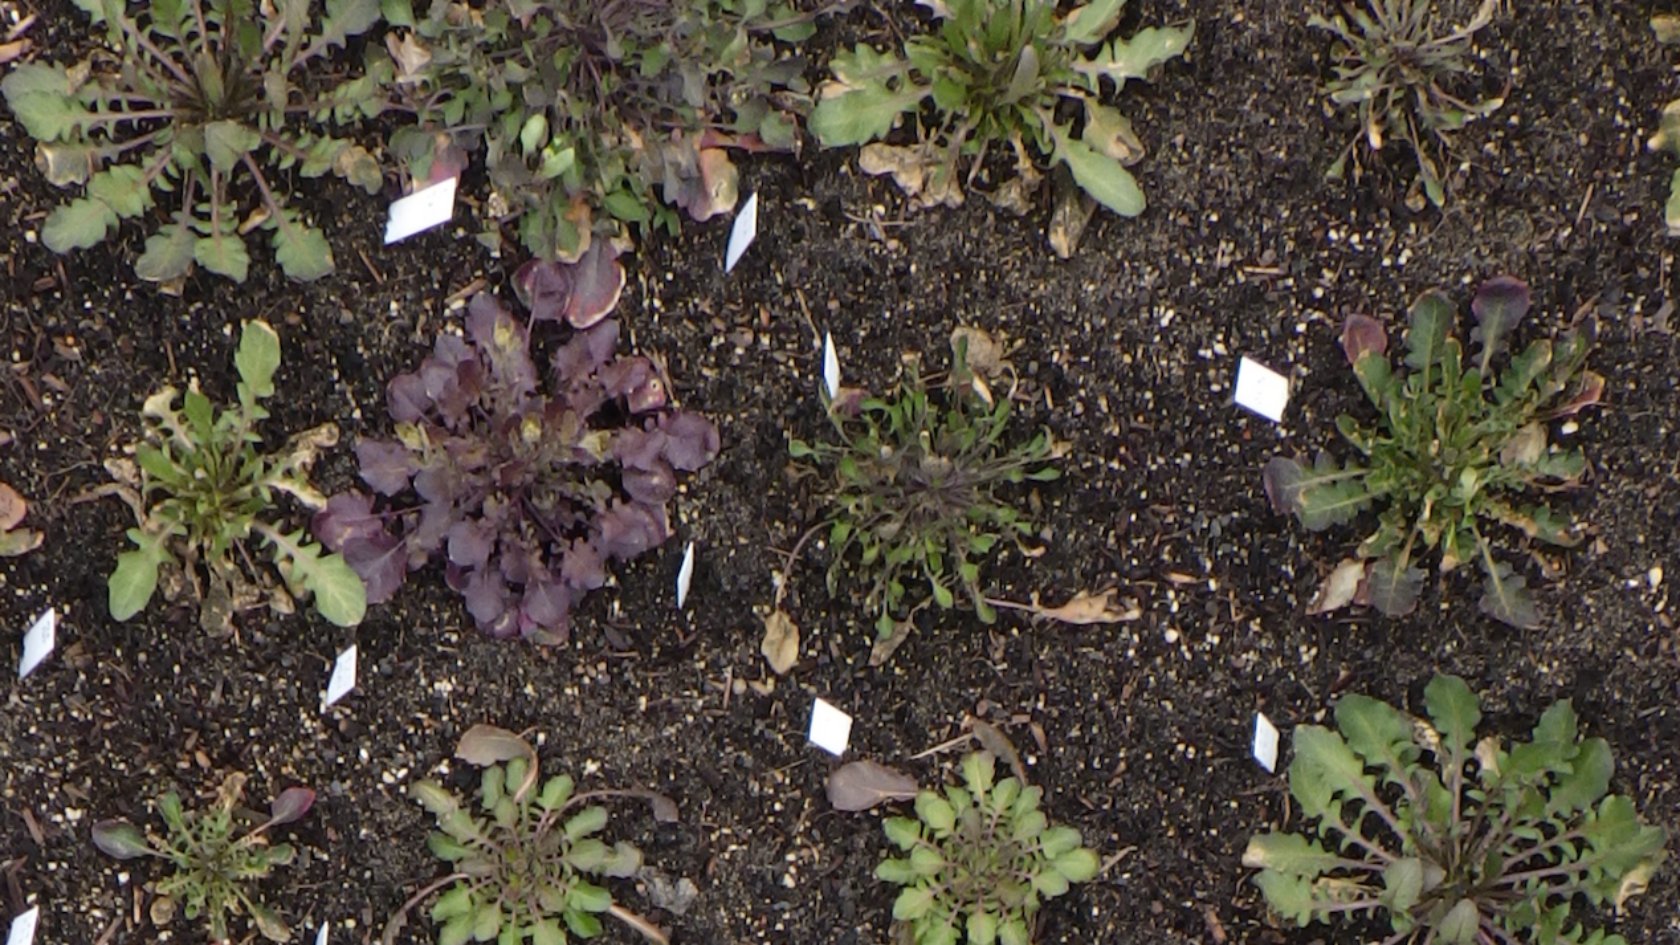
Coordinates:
999	74
521	869
913	487
1395	67
206	488
980	860
597	117
213	867
529	496
1667	138
196	96
1477	844
1455	445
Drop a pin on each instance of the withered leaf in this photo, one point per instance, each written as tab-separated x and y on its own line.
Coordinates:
1340	588
485	745
780	646
1086	608
861	785
12	508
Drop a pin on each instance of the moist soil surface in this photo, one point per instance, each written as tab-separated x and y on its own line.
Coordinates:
1139	731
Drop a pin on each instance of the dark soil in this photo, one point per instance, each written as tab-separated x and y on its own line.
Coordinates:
1139	732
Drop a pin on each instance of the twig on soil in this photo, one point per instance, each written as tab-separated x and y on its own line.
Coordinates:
463	293
651	932
1115	858
398	919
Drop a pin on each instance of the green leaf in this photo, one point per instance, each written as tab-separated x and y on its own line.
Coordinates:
130	586
547	932
339	594
79	224
1454	709
862	103
1376	730
457	931
1325	495
223	253
1394	586
1288	853
168	254
893	870
585	822
302	251
1460	924
121	839
1289	896
1587	781
904	832
1403	883
346	18
935	811
1092	22
1132	58
258	357
1505	594
1671	209
1426	335
982	928
1323	767
123	189
1077	866
623	205
978	769
1105	179
226	141
913	903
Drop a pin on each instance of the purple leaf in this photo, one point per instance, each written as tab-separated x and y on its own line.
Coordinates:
581	293
405	398
386	466
347	516
121	839
486	595
381	561
691	440
470	544
628	530
1282	479
1500	304
586	352
582	566
1362	335
1394	586
639	449
429	532
861	785
546	604
486	745
654	486
1589	393
290	806
625	376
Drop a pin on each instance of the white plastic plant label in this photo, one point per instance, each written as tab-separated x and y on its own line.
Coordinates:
1261	389
343	675
831	367
23	927
321	936
1265	742
741	233
831	728
38	642
685	574
421	210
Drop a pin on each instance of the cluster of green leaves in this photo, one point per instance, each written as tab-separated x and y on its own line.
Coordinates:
1667	138
597	115
193	95
213	867
1395	66
205	487
1483	844
981	860
914	487
996	73
1454	444
520	872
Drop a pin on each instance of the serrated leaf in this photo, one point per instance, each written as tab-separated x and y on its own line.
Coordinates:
1376	730
1133	58
1092	22
1587	781
1288	853
227	141
1454	709
123	189
168	254
863	102
913	903
1325	495
1323	767
223	253
1105	179
130	586
302	251
79	224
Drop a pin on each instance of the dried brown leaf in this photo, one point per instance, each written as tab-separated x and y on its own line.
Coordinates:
861	785
993	740
1340	588
780	646
12	508
1086	608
